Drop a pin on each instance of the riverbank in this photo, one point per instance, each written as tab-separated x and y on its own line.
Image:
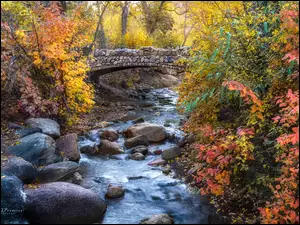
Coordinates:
153	188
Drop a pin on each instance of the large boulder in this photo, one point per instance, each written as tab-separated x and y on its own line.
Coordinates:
110	135
63	203
114	192
158	219
171	153
47	126
140	149
57	171
154	132
12	200
136	141
37	148
67	146
20	168
109	148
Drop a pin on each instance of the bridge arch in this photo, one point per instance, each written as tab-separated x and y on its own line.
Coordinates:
109	60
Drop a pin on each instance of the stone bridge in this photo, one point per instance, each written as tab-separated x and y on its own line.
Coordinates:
109	60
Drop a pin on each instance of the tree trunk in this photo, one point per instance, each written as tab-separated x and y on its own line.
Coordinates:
151	19
125	12
102	38
99	24
64	6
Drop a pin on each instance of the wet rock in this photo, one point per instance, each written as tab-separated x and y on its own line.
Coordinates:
171	153
138	120
136	177
158	219
147	104
63	203
137	140
88	147
175	138
140	149
27	131
110	148
90	136
154	132
167	125
77	178
49	127
57	171
12	200
110	135
129	116
114	192
67	146
157	162
137	156
20	168
37	148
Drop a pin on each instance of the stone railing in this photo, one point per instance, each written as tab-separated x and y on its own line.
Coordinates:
143	57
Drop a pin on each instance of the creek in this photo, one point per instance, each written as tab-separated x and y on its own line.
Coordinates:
148	190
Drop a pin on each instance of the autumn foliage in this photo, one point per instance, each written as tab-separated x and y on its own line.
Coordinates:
52	82
241	95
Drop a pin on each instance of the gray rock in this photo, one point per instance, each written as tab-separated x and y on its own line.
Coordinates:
20	168
157	162
171	153
37	148
88	147
77	178
140	149
57	171
114	192
67	146
27	131
49	127
110	148
158	219
154	132
137	140
12	200
110	135
137	156
15	126
131	115
63	203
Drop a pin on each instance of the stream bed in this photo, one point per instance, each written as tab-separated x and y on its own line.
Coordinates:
148	190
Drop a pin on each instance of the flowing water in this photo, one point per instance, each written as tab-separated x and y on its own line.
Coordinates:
148	191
